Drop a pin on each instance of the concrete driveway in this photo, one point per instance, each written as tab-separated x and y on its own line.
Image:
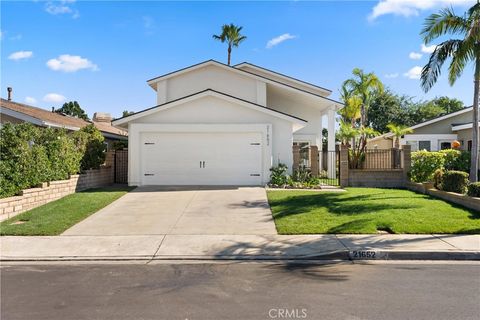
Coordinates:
183	211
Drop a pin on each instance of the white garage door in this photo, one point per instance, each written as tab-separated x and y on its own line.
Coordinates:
201	158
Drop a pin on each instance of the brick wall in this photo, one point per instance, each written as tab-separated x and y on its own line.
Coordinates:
54	190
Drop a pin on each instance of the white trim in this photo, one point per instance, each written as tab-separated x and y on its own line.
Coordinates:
153	81
298	124
464	126
435	139
136	129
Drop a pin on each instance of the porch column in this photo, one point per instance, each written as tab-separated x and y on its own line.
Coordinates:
314	160
331	159
320	144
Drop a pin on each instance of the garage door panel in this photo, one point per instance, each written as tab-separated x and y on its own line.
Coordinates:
201	158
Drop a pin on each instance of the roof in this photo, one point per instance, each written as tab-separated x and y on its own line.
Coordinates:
209	92
153	81
282	76
428	122
44	117
462	126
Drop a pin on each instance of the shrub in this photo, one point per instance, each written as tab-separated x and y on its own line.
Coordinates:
90	140
302	175
455	181
456	160
278	175
473	189
437	178
424	165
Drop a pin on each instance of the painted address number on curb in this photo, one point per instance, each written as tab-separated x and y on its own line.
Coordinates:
363	254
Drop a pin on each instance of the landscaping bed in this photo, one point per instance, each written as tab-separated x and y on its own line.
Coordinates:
55	217
367	211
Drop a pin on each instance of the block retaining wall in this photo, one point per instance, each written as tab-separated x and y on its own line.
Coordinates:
54	190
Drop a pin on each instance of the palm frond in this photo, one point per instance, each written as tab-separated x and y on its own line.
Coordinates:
464	54
431	71
444	22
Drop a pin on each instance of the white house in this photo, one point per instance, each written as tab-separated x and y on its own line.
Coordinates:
224	125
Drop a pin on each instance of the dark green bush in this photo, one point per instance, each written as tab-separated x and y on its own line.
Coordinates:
456	160
455	181
424	165
31	155
90	141
473	189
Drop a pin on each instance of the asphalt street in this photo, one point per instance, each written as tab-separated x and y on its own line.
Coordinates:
233	290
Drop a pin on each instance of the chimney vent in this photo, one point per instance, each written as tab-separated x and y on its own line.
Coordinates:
102	117
9	90
53	109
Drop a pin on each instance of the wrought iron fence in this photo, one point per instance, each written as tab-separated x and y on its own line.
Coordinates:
329	168
382	159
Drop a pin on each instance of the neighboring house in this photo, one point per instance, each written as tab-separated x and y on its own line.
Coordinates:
433	135
14	112
220	125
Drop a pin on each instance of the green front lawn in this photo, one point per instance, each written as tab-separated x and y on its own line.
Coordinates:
55	217
368	210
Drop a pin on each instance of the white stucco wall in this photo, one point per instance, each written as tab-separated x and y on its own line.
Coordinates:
215	112
210	77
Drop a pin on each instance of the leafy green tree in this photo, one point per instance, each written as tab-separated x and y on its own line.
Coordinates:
230	34
461	51
423	111
126	113
387	107
73	109
398	131
448	105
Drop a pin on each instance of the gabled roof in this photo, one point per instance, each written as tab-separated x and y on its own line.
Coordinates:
42	117
283	76
428	122
210	92
153	81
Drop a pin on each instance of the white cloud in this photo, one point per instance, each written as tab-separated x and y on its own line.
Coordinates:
415	56
409	8
428	49
19	55
61	7
391	75
30	100
54	98
414	73
277	40
2	34
69	63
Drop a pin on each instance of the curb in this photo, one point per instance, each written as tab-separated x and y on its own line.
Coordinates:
346	255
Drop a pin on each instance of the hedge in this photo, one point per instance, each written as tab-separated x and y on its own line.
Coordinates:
425	163
31	155
474	189
454	181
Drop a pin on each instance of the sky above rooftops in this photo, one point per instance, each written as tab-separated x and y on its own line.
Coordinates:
101	53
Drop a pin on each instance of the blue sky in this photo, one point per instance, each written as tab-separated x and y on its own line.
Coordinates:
102	53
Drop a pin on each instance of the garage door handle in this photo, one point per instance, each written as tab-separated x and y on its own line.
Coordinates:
203	162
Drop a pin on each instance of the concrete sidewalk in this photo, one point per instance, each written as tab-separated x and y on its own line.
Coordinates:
248	247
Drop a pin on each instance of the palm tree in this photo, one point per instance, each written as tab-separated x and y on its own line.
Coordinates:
363	85
462	50
351	112
398	131
231	35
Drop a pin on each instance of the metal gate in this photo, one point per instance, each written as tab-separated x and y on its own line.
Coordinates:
121	166
329	165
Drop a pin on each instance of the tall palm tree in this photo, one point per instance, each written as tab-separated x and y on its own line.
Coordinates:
231	35
363	85
398	131
351	112
462	50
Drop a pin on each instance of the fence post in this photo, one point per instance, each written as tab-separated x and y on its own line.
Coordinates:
406	161
296	156
343	167
314	164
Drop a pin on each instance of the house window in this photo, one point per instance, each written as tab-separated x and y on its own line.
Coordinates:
424	145
445	145
304	153
469	145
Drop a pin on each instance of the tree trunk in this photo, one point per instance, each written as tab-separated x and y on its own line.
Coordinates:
229	53
474	158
